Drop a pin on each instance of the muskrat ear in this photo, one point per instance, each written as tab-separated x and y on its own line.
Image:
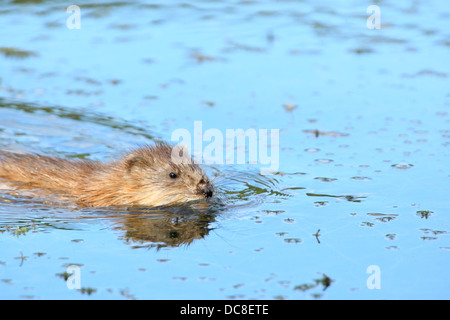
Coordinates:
134	161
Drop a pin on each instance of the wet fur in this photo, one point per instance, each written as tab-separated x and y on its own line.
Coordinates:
139	178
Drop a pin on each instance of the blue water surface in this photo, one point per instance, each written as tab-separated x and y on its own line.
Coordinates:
364	135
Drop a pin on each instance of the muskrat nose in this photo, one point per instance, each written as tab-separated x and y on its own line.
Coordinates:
208	193
206	188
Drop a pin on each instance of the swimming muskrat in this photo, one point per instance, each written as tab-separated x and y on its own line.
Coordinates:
146	176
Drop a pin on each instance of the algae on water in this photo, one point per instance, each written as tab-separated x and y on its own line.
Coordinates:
10	52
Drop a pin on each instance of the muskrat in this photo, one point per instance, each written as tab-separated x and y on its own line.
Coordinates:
146	176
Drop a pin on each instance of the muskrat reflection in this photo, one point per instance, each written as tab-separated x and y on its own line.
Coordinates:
158	228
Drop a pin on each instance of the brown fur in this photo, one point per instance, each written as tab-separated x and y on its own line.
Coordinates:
140	178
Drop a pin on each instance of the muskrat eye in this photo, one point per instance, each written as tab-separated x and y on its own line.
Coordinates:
173	175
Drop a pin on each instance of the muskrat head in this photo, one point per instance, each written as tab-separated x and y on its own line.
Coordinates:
156	178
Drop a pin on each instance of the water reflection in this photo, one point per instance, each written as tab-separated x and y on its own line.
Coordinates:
165	227
139	227
80	115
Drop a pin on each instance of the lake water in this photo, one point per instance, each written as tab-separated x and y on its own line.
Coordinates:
358	207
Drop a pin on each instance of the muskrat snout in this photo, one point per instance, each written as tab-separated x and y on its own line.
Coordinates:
205	188
208	193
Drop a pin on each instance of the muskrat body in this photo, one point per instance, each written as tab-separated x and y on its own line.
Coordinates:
147	176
